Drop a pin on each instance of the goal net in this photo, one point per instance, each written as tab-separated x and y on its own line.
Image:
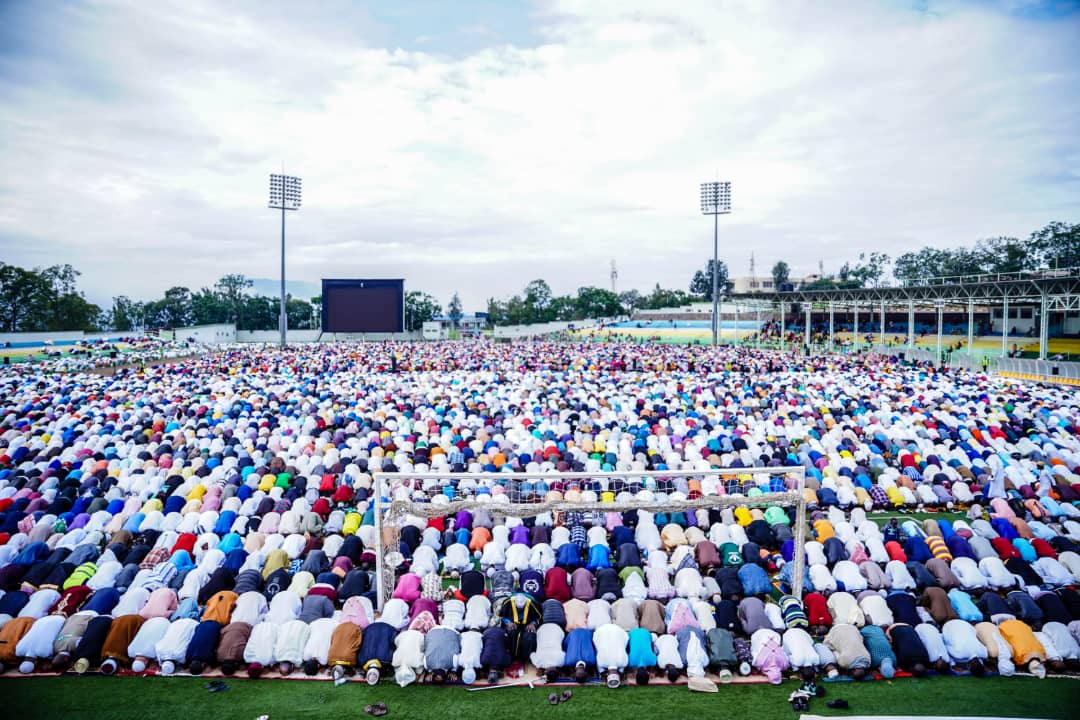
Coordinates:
404	499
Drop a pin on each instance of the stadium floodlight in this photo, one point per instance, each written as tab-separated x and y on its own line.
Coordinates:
716	201
284	195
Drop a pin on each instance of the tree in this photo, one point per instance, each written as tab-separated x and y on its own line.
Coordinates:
208	308
232	289
538	298
419	309
23	294
916	268
564	308
124	314
1005	255
298	313
869	270
72	311
259	313
701	283
594	302
781	273
64	307
496	312
174	310
631	300
44	299
453	310
1056	246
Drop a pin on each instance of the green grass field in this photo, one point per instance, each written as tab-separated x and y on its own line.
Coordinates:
98	698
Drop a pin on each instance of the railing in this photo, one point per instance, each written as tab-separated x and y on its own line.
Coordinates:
1045	274
1042	370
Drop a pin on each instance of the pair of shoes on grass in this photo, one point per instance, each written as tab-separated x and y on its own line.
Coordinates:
376	710
556	699
216	686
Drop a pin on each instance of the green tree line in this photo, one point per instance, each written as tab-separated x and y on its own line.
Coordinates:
46	299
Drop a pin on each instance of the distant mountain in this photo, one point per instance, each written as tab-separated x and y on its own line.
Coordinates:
299	289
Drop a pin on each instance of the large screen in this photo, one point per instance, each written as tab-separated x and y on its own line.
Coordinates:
363	306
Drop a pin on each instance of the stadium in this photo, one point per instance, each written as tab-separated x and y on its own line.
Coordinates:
476	414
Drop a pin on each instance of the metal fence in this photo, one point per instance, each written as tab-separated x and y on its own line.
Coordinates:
1051	370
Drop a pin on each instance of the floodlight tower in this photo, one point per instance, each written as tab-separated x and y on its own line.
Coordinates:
284	195
715	201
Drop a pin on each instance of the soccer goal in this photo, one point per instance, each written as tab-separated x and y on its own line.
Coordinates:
403	499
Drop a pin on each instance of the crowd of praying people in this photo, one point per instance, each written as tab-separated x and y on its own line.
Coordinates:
217	514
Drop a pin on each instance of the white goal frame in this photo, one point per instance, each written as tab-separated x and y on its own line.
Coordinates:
389	512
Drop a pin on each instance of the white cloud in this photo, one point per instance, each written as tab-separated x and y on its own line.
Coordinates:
844	126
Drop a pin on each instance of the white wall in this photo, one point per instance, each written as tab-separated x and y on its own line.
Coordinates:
39	337
308	336
538	329
208	334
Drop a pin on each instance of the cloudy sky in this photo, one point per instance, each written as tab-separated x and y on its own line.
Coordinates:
477	145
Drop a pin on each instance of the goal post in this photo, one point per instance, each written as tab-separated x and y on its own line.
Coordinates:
400	495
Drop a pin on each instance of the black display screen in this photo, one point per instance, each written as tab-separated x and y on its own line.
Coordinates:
363	306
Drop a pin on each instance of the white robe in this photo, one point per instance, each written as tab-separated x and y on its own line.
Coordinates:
250	608
876	610
1058	634
688	583
599	614
408	657
424	561
967	572
933	642
822	579
453	614
457	559
477	612
517	557
899	576
290	641
549	647
174	644
284	607
1052	572
144	644
472	643
260	646
962	642
635	589
38	640
799	647
610	641
542	558
667	652
318	643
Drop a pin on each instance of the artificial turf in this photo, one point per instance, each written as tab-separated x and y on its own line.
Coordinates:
131	698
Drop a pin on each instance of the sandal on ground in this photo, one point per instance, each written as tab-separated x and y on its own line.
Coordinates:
566	695
553	699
